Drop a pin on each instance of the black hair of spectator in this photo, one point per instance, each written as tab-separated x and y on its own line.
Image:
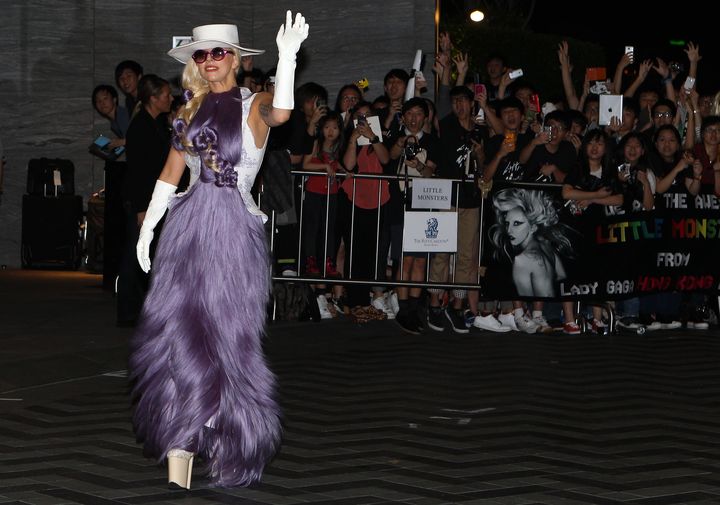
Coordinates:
309	91
519	84
560	116
364	103
354	87
381	102
608	172
270	73
708	121
150	85
667	103
396	72
104	87
648	88
178	101
631	103
640	136
416	101
462	91
130	64
577	117
592	97
509	102
670	128
496	56
256	74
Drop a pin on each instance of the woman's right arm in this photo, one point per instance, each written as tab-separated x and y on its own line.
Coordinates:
664	183
314	166
174	167
350	156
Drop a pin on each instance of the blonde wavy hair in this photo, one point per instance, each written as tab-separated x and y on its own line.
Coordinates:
193	81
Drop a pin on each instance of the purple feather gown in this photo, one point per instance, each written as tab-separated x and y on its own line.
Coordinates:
201	381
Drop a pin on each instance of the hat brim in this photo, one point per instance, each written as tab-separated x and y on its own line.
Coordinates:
184	52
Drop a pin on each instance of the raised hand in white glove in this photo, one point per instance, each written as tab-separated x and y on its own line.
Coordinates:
291	35
289	38
156	210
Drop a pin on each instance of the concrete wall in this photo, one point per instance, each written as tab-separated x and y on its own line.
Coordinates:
59	50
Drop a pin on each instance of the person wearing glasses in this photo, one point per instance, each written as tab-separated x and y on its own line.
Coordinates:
347	99
662	113
201	384
706	154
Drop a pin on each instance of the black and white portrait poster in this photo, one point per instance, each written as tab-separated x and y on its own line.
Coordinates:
538	246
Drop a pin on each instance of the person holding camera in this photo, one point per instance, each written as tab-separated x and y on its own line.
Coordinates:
502	153
416	153
549	157
367	199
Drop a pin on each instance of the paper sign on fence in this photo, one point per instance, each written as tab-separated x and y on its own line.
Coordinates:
430	232
432	194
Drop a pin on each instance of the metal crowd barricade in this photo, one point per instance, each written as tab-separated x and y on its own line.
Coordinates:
375	281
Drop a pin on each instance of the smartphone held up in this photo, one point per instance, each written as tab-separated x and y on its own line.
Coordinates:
630	51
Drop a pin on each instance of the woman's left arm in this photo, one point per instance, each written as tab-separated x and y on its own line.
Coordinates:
273	110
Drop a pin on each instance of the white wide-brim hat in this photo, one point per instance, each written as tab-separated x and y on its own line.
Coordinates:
209	37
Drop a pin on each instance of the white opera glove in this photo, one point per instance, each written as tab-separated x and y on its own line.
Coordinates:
155	211
289	38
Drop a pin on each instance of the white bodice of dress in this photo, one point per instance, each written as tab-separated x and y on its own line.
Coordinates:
250	160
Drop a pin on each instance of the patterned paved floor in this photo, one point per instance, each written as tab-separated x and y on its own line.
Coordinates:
374	416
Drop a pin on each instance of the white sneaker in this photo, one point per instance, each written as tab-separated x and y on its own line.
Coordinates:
322	302
673	325
508	320
391	300
489	323
380	304
542	324
700	325
524	323
654	326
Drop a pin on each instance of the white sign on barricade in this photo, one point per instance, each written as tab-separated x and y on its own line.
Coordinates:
431	193
430	232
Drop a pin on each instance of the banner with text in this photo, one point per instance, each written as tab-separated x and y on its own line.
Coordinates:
539	246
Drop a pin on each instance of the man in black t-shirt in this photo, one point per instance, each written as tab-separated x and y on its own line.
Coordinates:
502	152
549	157
461	142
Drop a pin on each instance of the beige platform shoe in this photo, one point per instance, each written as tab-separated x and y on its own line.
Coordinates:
180	464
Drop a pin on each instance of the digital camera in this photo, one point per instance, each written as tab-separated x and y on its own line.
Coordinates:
625	172
411	150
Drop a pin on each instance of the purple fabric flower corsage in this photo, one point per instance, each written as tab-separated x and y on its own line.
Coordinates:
205	137
227	175
179	128
187	95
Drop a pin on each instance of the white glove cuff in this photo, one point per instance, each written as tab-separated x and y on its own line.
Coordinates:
285	83
158	204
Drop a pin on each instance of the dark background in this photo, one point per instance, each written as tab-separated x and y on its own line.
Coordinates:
611	24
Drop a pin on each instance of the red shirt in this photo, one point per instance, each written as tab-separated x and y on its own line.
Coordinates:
366	190
319	183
